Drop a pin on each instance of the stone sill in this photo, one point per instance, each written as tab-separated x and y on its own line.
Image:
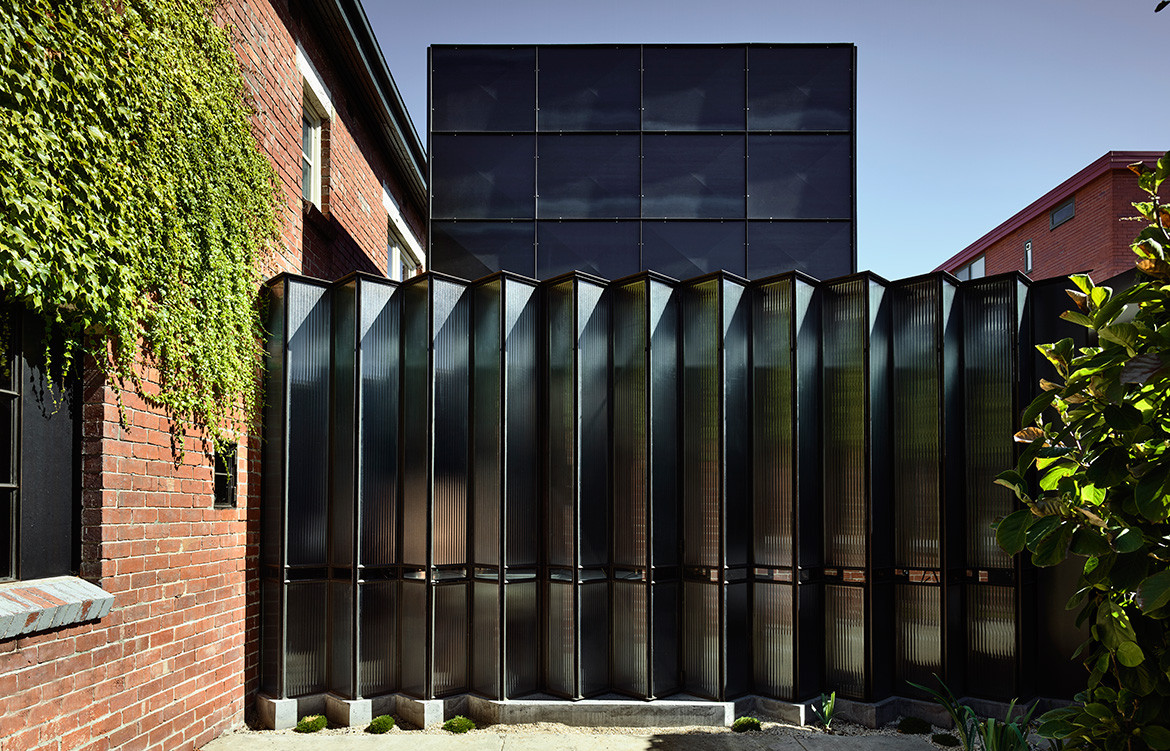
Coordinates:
29	607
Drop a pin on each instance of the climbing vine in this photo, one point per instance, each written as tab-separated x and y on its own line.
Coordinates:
135	202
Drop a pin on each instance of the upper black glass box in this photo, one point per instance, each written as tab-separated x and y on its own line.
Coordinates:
731	145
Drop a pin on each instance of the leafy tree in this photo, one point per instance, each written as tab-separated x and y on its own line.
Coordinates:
1099	438
134	200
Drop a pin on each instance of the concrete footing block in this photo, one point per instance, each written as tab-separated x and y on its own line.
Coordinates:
930	711
763	708
422	713
868	714
603	711
277	714
348	712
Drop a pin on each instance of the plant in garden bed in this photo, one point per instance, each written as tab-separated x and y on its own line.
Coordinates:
966	723
383	723
744	724
825	710
1098	437
458	724
311	723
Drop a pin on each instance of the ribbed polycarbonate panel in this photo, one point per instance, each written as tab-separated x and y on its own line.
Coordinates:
306	630
595	677
522	427
342	477
631	434
308	423
773	428
452	336
485	646
665	602
917	414
275	393
737	637
414	619
521	639
379	379
663	384
340	641
774	639
631	638
990	342
271	631
593	406
488	431
562	426
416	422
378	655
845	423
918	637
561	644
737	424
702	640
701	416
991	641
845	640
451	632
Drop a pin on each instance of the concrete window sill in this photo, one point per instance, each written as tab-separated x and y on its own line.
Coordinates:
28	607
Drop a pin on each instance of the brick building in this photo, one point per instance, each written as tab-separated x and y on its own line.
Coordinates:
129	612
1078	226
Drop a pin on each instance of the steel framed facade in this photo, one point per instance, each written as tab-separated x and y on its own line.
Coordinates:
577	487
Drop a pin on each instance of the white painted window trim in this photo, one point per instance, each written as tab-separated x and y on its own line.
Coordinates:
313	83
406	239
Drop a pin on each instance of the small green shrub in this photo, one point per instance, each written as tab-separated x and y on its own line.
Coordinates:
945	739
826	710
966	723
913	726
381	724
311	723
458	724
744	724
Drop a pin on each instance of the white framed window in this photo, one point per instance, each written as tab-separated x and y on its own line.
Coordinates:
1028	257
975	269
404	253
316	111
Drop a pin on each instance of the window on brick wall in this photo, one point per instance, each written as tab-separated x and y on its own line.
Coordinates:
225	467
973	270
40	470
1062	213
316	112
404	255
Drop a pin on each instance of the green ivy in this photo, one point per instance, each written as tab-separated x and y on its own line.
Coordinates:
136	205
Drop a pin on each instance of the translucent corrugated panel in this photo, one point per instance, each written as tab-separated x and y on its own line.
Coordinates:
416	421
595	677
845	640
378	638
452	335
485	646
845	423
702	640
593	406
738	640
450	639
664	598
917	414
308	420
918	637
774	639
631	439
488	431
343	453
737	423
990	345
701	416
275	443
664	439
522	639
413	636
271	629
340	641
561	642
522	444
378	337
991	641
773	425
306	634
631	638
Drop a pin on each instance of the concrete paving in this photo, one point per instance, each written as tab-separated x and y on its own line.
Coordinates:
485	740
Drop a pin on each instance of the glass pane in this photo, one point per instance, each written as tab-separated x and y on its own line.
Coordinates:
588	176
470	250
693	88
800	88
483	177
307	138
6	568
800	177
7	439
589	88
483	88
606	249
686	249
823	250
689	176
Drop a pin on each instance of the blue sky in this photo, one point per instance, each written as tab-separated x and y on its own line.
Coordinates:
966	111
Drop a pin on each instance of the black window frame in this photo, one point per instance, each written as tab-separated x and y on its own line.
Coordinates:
225	460
1056	215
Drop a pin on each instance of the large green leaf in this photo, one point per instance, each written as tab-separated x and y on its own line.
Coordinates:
1054	548
1150	493
1156	736
1154	591
1130	654
1010	534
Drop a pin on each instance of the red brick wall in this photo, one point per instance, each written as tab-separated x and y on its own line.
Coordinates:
177	660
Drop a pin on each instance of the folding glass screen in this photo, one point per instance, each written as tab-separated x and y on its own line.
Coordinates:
577	487
680	159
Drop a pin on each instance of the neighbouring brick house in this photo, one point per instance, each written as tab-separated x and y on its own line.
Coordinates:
1078	226
165	654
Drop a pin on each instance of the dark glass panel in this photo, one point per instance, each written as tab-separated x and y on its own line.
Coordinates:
561	654
339	644
667	633
271	633
483	177
589	88
485	647
449	672
378	666
305	648
823	250
800	177
687	249
800	88
594	637
7	567
693	176
470	250
412	638
605	249
586	177
693	88
522	639
738	638
483	88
